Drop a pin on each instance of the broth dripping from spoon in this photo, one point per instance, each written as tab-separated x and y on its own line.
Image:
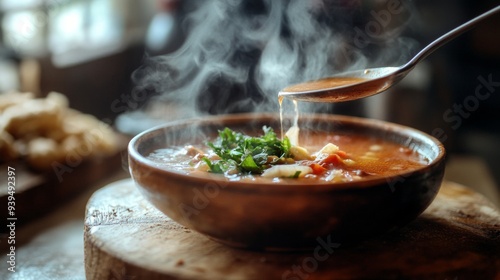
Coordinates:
331	82
293	131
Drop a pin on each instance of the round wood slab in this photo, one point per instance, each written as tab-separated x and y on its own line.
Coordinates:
457	237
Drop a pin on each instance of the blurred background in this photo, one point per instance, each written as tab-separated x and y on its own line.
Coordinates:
101	54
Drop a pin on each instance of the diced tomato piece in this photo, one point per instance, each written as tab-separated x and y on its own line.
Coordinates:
331	159
342	154
317	168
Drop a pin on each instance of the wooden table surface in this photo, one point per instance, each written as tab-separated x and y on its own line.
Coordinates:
126	237
51	247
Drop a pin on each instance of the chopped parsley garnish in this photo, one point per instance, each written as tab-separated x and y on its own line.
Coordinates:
240	153
296	175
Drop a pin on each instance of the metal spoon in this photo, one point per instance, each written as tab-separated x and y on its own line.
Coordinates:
367	82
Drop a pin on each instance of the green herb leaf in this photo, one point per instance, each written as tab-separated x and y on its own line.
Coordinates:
296	175
249	164
220	166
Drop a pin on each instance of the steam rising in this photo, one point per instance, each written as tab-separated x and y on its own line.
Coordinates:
239	53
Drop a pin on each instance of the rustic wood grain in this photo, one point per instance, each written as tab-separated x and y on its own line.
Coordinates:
457	237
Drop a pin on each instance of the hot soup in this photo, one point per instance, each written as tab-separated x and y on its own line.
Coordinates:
326	157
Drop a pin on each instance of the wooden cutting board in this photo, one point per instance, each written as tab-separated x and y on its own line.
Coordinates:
457	237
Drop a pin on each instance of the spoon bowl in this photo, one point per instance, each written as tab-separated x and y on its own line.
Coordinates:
367	82
346	86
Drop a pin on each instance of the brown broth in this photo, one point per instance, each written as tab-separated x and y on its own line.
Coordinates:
323	84
373	157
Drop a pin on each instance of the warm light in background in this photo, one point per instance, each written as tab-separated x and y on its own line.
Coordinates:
23	32
56	27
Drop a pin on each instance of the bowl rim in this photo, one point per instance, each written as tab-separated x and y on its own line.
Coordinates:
291	185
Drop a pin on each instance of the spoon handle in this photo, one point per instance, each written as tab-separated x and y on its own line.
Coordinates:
449	36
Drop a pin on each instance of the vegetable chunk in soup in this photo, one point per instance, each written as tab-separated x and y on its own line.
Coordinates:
344	157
